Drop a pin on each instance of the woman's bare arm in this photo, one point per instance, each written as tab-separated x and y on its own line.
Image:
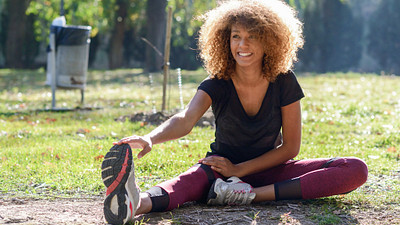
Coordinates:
177	126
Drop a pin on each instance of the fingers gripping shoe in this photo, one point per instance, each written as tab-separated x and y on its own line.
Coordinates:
122	195
230	192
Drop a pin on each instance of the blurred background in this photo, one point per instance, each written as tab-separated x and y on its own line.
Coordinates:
341	35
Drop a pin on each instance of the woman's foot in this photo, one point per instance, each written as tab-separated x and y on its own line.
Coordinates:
230	192
122	196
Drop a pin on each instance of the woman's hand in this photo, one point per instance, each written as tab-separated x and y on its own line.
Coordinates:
221	165
143	142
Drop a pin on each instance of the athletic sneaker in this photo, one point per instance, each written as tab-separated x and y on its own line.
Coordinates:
230	192
122	196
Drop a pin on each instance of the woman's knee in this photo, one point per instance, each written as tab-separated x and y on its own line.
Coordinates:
358	169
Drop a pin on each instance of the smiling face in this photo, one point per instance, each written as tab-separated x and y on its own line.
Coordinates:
246	48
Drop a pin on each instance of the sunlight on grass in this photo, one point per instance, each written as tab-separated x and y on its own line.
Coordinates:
46	153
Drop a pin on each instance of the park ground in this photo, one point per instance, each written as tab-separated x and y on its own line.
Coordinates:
90	211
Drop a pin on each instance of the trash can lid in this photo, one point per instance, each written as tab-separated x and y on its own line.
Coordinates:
71	35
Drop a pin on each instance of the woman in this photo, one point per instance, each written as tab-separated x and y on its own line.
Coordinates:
248	47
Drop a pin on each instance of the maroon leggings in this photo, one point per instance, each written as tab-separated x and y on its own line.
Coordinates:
295	179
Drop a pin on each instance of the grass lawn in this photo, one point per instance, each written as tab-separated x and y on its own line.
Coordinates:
46	154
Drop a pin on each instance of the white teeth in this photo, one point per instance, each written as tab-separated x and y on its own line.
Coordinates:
244	54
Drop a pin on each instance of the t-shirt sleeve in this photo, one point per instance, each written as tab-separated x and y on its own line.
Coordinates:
290	89
211	87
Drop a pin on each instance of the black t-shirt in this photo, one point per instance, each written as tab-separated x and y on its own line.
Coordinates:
240	137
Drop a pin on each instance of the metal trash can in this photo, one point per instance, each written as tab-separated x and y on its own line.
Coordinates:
68	58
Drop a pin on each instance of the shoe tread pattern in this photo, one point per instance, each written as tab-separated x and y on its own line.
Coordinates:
114	160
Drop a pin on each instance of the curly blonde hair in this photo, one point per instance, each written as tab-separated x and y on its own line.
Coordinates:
274	22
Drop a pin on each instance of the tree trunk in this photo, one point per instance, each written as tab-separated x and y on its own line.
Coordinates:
14	47
156	22
115	53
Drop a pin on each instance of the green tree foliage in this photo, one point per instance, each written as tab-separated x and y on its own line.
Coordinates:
125	17
184	34
89	12
126	22
384	33
95	13
115	17
332	30
332	37
185	29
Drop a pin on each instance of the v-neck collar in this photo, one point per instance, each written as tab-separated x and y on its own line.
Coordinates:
241	105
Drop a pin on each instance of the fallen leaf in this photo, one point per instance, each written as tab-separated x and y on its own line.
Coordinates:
32	123
50	120
97	158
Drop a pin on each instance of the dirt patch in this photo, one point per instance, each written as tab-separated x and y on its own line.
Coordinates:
90	211
60	211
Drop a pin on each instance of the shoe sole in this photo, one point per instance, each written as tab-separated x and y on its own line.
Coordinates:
115	172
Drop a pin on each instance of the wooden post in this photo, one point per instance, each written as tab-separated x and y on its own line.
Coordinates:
166	56
52	68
